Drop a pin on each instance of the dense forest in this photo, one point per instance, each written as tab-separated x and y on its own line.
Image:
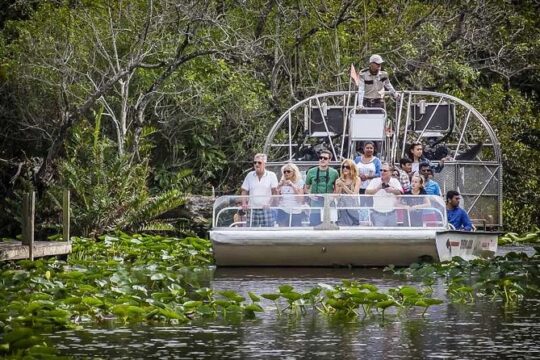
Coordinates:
132	104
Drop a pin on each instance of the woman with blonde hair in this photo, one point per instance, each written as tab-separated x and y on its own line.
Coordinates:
291	189
348	185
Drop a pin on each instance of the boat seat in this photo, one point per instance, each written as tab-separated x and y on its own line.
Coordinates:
368	126
430	219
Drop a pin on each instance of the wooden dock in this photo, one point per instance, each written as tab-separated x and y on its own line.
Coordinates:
15	250
30	249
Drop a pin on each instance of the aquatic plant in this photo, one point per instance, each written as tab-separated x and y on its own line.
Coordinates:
514	238
507	278
127	279
346	299
119	278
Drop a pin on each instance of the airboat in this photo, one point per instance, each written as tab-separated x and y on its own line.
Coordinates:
448	127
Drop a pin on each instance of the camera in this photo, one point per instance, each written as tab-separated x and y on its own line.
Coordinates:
384	186
241	212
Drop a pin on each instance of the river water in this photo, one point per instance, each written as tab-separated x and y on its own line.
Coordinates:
448	331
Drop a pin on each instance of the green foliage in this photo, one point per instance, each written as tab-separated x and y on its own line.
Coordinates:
513	116
213	96
345	300
109	190
514	238
507	278
120	278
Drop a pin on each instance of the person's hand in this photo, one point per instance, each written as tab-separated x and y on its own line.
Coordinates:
363	177
244	206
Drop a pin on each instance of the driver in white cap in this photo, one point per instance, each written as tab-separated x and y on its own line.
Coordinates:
373	83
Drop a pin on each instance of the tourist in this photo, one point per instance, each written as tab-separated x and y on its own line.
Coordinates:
416	154
239	217
405	173
456	215
320	180
385	189
432	187
417	201
291	189
260	184
348	185
368	165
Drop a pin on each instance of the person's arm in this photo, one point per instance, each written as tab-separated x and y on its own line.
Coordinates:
378	166
299	190
440	165
388	86
373	187
307	185
338	187
357	185
274	188
395	187
467	225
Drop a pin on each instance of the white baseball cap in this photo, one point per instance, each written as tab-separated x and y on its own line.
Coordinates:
377	59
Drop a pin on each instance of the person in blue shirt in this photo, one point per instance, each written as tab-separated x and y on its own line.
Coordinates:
431	186
456	215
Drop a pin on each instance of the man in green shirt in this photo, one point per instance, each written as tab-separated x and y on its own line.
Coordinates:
320	180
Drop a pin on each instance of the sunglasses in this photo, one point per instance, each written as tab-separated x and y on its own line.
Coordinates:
324	158
346	167
257	162
287	171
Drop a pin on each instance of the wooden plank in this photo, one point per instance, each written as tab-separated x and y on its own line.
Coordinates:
31	220
66	216
24	219
28	216
15	250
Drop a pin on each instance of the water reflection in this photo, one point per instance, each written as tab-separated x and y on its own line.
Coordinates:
448	331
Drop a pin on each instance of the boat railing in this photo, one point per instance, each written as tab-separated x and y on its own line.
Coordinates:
329	211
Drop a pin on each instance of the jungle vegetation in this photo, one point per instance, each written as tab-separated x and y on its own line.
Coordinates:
132	104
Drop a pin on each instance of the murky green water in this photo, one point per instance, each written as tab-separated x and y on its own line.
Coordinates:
484	330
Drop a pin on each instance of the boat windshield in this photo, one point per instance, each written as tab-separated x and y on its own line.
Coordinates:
330	210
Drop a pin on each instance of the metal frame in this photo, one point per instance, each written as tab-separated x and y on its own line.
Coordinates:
467	120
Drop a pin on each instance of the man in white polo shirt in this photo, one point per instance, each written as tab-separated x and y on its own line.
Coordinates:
385	189
260	185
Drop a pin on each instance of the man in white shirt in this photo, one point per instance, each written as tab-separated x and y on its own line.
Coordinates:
260	185
385	189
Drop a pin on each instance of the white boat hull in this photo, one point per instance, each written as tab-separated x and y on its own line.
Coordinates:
345	247
467	245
